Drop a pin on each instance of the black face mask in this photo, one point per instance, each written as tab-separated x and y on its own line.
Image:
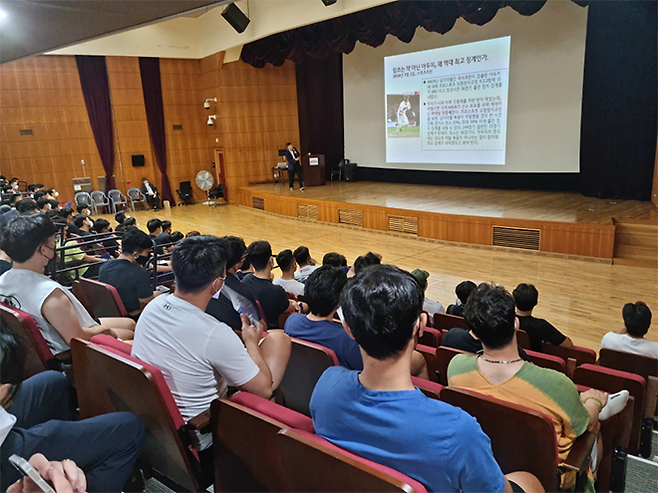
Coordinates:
142	259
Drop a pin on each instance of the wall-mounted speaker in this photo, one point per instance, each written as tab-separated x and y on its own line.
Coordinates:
235	17
138	160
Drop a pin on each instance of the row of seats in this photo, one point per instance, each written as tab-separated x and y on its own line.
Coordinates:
114	198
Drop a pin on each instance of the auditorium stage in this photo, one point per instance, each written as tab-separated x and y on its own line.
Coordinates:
550	222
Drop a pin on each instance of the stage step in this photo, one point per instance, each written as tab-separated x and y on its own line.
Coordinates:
636	244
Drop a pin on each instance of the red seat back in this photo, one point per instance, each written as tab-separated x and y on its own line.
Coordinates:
547	361
523	339
431	337
582	355
444	321
633	363
427	387
307	363
315	464
103	299
429	353
443	356
284	415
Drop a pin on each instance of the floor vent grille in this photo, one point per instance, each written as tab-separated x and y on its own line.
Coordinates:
349	216
527	239
307	211
258	203
403	224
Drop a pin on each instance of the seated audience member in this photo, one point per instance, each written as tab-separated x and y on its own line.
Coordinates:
111	244
464	340
129	222
55	205
198	355
30	243
164	236
364	261
192	233
273	299
286	263
37	195
27	206
84	209
174	238
67	215
305	262
154	227
637	320
246	268
499	372
74	255
539	330
44	204
120	217
63	476
379	414
430	306
131	280
336	260
151	194
463	291
35	418
234	295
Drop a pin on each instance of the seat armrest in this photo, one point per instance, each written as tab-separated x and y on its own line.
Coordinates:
59	360
199	422
580	452
651	397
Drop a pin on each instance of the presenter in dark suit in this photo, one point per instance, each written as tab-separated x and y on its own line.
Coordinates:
294	166
151	194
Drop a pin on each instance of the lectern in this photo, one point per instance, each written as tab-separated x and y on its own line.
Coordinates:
313	170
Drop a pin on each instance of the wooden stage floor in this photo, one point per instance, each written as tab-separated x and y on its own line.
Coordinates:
563	207
582	299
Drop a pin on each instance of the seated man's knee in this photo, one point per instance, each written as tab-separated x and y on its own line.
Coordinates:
526	481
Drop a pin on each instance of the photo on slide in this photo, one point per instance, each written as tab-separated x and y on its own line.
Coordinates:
402	115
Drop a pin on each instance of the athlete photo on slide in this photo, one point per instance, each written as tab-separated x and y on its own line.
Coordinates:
402	115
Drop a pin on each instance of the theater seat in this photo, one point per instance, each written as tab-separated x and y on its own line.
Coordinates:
547	361
427	387
108	380
101	300
443	356
443	321
431	337
39	355
633	363
307	363
582	355
429	353
314	464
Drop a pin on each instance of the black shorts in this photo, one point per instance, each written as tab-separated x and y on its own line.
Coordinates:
515	487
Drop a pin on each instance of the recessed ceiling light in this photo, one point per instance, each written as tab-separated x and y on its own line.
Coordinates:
2	14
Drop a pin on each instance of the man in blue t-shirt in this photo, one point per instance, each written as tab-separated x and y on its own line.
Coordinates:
380	415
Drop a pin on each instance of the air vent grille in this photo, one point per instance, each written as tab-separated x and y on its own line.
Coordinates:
403	224
258	203
307	211
349	216
26	132
527	239
178	127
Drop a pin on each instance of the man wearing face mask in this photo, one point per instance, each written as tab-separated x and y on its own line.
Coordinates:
125	273
199	356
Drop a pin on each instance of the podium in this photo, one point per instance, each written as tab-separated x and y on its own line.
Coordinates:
313	170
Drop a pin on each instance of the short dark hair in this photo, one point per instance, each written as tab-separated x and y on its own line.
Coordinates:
285	260
79	220
15	197
42	202
322	289
366	261
135	240
13	353
490	315
153	224
144	179
302	255
464	290
166	225
235	246
525	297
26	205
637	318
66	212
194	232
100	224
197	261
288	143
381	307
331	258
38	195
120	217
54	203
176	236
82	207
259	254
24	234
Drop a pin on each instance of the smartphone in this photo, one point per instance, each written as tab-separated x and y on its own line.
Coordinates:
26	469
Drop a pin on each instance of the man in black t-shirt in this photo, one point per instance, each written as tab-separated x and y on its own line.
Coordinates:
131	280
272	298
464	340
539	330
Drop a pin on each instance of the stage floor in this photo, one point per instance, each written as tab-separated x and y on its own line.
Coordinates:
563	207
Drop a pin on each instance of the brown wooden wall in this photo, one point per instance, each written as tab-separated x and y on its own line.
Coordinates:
586	240
256	115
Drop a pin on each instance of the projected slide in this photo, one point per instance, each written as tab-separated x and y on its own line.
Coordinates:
448	105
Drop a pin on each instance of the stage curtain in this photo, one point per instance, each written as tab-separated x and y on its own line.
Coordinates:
371	26
152	89
96	91
618	125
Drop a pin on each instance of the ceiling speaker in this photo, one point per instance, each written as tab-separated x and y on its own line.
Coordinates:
235	17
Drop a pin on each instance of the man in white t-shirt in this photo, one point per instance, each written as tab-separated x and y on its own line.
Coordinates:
305	262
30	243
637	320
199	356
287	281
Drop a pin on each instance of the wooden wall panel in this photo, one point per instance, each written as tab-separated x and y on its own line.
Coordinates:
587	240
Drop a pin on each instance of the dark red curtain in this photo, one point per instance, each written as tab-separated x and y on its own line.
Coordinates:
371	26
96	91
152	88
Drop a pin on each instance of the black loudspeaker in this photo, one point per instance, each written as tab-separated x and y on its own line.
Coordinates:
235	17
328	2
138	160
349	172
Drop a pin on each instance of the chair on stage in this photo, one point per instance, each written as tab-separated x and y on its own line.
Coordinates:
136	197
117	198
83	198
99	200
185	192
